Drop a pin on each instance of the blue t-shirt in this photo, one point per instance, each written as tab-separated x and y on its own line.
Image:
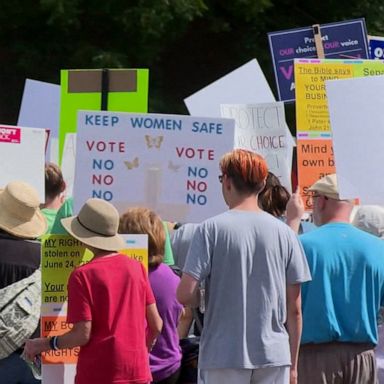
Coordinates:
342	301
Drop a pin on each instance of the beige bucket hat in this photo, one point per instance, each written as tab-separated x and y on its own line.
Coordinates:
20	214
326	186
96	225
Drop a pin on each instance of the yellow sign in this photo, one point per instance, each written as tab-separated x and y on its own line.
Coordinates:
311	98
314	138
61	254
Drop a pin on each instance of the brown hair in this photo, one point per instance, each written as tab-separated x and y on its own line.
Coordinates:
141	220
54	181
246	169
274	197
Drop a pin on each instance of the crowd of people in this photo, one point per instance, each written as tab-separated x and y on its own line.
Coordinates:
281	300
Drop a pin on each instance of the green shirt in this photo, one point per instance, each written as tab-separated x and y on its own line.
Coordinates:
66	210
168	254
50	216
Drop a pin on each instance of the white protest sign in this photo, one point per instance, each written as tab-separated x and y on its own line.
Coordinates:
168	163
22	156
40	108
244	85
53	150
261	128
68	162
356	116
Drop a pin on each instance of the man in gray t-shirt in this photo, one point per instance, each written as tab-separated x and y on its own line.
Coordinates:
252	265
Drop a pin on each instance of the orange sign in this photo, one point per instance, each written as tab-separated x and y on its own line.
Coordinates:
56	326
314	161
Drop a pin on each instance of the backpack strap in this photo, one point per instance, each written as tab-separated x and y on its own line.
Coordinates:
9	293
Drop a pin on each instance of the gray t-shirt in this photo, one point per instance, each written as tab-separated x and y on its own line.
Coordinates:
246	259
181	239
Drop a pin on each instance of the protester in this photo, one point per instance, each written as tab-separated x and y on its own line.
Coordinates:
341	303
108	301
276	200
21	222
181	239
253	265
165	357
274	196
54	193
370	218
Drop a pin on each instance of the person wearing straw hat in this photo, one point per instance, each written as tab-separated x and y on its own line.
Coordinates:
341	304
21	222
109	300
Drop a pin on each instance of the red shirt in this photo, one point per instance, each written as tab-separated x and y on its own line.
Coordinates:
112	292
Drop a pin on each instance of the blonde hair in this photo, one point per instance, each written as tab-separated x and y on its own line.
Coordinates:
246	169
141	220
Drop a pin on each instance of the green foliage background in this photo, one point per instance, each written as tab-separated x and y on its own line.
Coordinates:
185	44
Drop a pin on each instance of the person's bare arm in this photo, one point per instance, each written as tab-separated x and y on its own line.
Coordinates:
294	326
188	292
79	335
185	322
295	210
155	324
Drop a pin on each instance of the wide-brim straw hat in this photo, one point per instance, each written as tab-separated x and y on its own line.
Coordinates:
20	214
96	225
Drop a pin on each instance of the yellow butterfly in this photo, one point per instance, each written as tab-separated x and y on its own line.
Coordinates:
132	164
173	167
154	141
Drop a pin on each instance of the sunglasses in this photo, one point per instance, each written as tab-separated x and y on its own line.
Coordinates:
311	199
316	195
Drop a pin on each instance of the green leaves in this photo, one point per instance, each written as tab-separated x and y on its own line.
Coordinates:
185	43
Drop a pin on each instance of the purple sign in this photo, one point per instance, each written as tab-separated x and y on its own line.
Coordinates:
376	47
343	40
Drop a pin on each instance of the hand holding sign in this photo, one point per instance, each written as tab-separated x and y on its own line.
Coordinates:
295	210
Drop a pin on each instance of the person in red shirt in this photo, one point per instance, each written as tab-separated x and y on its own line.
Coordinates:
109	300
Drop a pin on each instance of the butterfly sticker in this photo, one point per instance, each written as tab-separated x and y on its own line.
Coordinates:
173	167
154	142
132	164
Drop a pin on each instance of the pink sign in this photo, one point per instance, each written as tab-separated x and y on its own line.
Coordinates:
10	135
